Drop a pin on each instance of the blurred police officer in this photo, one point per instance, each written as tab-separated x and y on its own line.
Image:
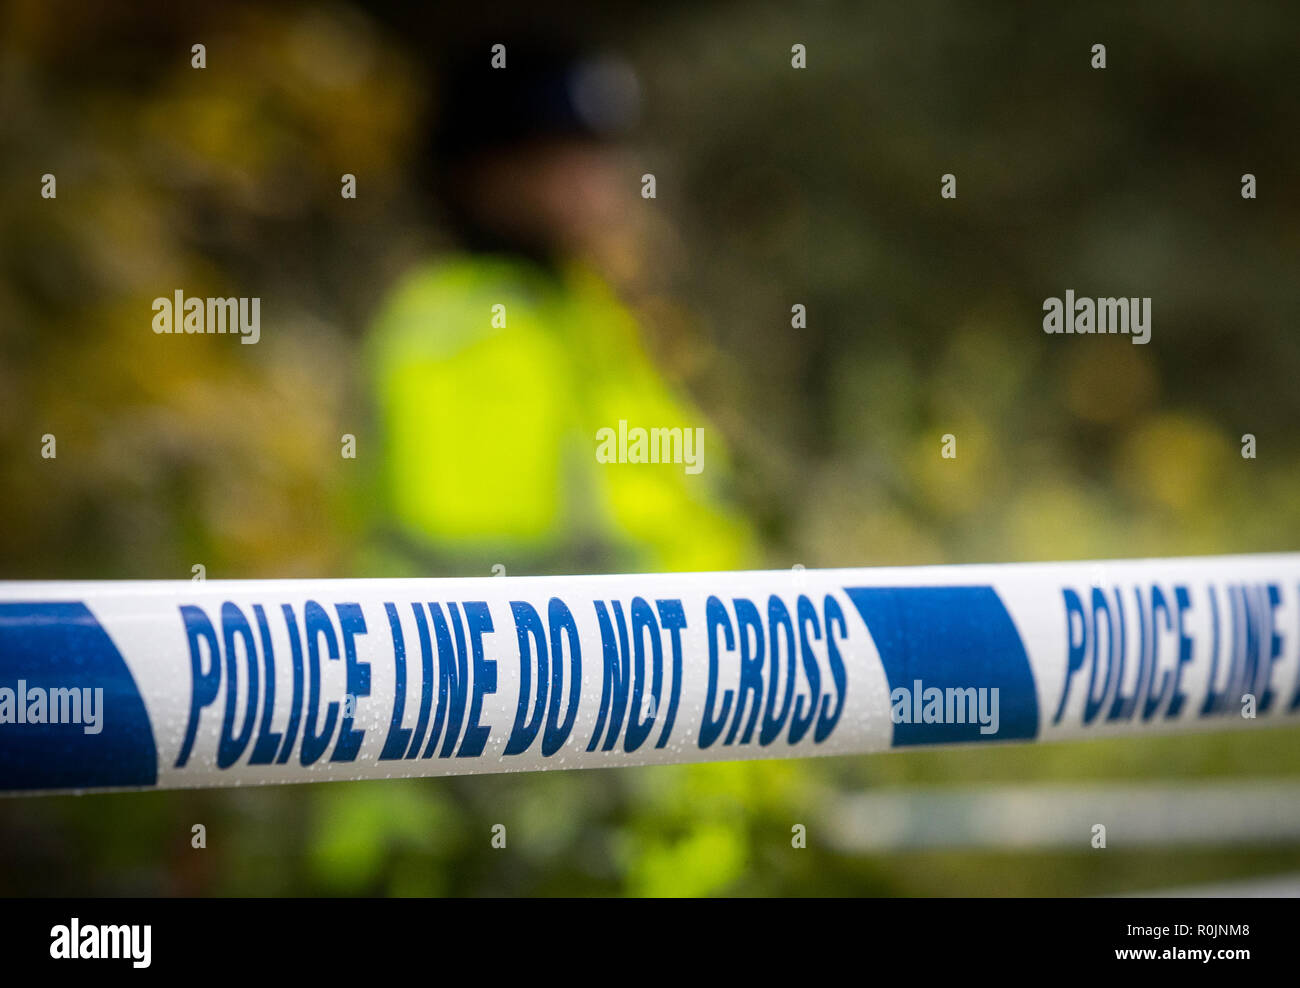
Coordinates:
495	367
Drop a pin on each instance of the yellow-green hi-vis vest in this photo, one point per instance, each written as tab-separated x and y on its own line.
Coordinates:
509	402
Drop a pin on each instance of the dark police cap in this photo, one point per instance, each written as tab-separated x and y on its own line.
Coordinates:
540	92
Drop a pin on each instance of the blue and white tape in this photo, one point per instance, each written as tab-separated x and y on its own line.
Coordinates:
223	683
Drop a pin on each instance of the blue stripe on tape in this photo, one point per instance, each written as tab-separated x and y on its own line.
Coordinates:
48	650
951	637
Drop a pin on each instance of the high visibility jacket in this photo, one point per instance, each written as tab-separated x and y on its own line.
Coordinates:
494	379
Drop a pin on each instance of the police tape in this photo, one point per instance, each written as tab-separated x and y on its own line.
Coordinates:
223	683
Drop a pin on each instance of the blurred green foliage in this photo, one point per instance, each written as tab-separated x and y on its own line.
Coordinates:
775	187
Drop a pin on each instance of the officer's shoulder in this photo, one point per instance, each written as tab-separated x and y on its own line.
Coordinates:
448	303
